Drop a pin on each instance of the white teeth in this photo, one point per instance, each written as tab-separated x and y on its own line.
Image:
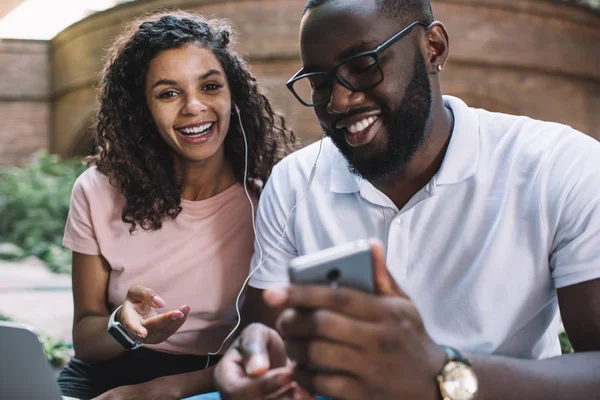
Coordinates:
361	125
198	130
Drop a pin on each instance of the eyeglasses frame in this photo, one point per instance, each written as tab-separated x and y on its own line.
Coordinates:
373	53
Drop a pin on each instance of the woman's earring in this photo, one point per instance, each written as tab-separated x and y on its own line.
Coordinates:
440	67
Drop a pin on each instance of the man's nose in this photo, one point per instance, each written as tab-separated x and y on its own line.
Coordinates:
342	99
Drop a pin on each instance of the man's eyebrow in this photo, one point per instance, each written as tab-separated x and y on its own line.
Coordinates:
170	82
357	48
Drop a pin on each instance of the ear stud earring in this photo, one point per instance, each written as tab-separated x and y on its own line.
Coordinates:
439	67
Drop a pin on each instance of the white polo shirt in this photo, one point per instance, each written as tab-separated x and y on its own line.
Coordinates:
512	214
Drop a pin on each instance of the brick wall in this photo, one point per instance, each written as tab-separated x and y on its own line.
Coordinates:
523	57
24	99
529	57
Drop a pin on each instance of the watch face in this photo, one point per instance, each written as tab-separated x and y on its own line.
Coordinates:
459	381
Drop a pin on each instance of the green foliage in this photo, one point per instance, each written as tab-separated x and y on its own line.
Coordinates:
565	344
5	318
10	251
57	352
34	203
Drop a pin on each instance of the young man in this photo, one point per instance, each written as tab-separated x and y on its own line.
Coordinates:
490	224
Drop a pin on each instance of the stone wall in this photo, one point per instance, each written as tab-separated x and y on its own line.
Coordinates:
24	99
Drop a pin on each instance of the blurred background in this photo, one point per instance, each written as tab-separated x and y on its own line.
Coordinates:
538	58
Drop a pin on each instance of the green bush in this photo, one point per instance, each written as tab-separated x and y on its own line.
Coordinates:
58	353
565	344
34	203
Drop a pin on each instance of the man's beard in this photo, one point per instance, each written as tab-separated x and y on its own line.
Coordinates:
405	128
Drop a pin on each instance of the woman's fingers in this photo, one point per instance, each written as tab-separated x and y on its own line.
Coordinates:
146	296
162	326
132	320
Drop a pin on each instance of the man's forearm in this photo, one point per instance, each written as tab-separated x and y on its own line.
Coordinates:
571	376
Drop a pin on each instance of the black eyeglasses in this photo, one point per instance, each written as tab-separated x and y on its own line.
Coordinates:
358	73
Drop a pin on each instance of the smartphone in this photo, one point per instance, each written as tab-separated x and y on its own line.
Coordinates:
348	265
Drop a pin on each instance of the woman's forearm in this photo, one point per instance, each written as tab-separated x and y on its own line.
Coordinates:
92	342
188	384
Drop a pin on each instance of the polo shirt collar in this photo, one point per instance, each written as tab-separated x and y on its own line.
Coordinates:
460	161
342	180
462	155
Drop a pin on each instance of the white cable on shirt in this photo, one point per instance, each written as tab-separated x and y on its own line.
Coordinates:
261	260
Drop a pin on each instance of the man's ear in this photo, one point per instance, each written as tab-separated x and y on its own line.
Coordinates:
437	47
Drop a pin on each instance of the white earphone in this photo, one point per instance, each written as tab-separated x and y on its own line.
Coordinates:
261	260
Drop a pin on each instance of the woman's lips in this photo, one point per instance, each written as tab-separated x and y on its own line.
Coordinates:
195	140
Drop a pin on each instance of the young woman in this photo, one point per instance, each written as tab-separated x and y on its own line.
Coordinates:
161	224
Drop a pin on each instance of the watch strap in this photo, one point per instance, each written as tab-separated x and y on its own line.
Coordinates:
112	319
457	380
454	355
120	333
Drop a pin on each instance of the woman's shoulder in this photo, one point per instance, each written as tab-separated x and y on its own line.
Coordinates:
92	180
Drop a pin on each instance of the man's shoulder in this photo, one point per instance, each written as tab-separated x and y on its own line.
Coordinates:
306	156
504	125
298	165
528	135
534	146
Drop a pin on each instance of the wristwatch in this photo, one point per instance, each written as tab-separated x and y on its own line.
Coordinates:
121	335
457	380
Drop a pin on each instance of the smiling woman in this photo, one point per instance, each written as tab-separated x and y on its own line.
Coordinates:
189	98
163	218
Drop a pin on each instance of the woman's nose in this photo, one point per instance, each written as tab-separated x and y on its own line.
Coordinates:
193	106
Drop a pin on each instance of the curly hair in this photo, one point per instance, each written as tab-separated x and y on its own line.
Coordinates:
129	149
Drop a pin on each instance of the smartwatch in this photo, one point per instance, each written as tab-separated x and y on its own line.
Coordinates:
121	335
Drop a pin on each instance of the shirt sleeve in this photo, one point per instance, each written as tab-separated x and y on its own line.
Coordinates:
274	244
80	235
572	205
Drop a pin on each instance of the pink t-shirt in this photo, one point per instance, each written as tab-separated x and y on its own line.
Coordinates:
200	259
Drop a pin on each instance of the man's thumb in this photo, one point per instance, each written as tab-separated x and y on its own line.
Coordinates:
385	284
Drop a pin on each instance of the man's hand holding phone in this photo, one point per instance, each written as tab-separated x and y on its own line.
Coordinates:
349	344
343	343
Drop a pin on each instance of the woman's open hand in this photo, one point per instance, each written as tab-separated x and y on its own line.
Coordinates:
139	317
